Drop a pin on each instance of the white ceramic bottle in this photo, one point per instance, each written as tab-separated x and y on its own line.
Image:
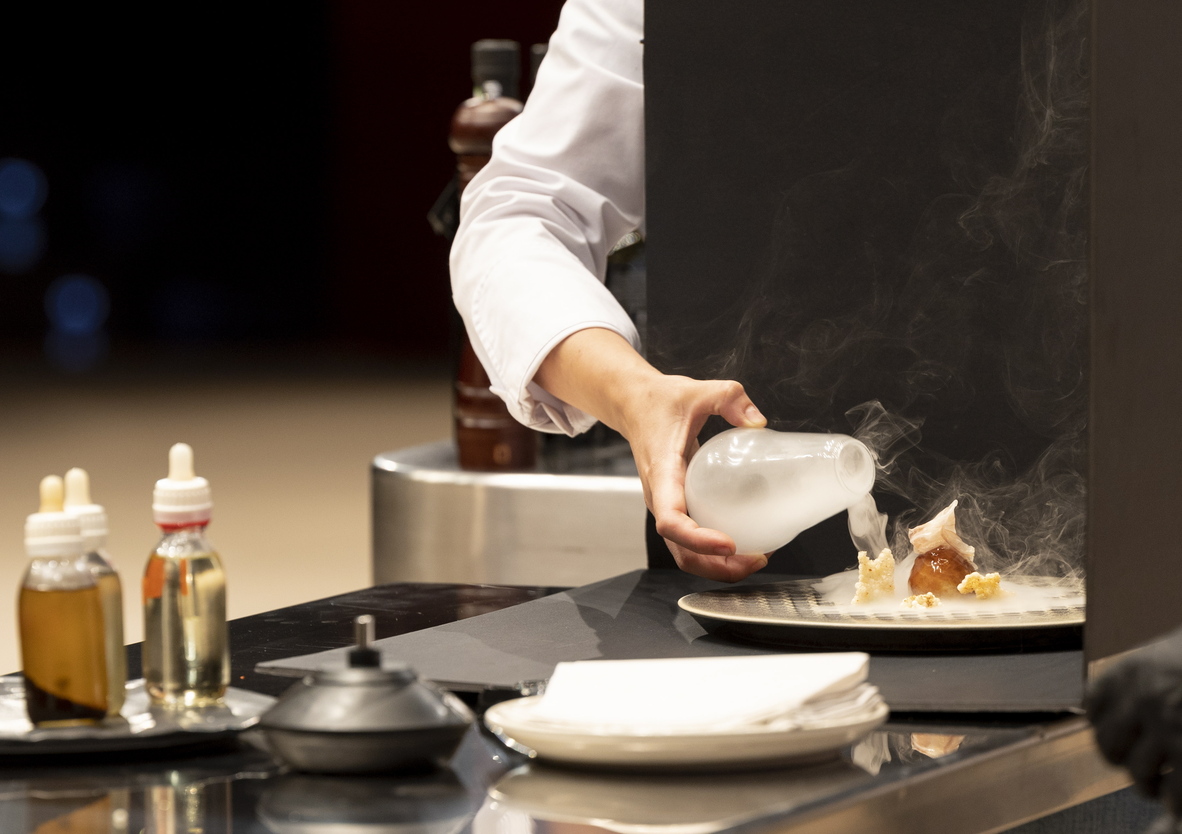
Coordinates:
763	488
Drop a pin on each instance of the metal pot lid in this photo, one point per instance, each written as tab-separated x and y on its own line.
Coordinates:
313	707
364	698
398	675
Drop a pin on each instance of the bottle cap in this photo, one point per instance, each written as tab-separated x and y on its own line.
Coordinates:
51	531
92	517
182	498
497	60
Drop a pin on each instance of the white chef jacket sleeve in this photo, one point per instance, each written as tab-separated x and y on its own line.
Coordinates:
565	183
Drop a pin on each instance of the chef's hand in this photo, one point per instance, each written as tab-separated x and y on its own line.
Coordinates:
660	415
1136	708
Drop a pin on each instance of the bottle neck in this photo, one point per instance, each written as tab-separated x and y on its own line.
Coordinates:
183	541
196	529
58	573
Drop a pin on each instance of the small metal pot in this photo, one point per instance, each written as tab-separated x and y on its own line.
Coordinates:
364	718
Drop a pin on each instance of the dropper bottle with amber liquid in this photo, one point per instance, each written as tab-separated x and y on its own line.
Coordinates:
63	655
93	519
186	651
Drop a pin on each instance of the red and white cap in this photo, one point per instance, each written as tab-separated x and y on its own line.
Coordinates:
181	499
50	531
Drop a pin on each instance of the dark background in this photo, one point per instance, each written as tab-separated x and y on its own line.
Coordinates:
968	211
866	210
244	175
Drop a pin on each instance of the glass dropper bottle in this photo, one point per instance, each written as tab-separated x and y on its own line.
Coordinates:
186	651
63	656
93	519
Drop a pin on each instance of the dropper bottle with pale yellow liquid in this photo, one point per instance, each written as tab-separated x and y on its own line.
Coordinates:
60	611
93	519
186	652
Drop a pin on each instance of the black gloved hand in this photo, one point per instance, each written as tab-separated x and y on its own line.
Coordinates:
1136	709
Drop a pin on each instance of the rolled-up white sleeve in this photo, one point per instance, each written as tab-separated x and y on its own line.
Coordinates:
566	181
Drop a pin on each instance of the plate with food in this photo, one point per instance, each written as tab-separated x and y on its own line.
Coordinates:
934	599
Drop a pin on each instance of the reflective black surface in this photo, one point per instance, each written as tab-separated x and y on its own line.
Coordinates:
328	623
489	789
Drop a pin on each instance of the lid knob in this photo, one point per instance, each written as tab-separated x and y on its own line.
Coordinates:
365	655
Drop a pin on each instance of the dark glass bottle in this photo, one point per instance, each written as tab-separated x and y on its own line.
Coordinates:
487	437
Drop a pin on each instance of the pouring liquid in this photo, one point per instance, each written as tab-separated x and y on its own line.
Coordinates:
63	654
186	657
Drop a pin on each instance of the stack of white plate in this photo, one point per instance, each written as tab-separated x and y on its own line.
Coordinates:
696	712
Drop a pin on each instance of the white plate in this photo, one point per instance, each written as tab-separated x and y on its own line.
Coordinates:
794	613
514	722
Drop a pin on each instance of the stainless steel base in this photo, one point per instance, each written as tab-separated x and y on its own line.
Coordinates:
433	522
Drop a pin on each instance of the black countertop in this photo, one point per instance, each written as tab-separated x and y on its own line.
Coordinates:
328	623
913	765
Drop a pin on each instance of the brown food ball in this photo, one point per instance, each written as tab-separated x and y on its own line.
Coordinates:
939	571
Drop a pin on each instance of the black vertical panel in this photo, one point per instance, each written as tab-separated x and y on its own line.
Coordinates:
886	202
1134	571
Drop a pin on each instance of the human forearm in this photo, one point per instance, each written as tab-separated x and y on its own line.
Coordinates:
565	183
660	415
598	371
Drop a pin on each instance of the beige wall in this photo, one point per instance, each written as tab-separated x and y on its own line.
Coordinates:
288	461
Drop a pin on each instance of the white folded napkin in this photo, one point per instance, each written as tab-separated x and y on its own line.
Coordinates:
708	694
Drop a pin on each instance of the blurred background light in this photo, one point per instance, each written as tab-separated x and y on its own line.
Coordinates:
77	303
23	188
22	243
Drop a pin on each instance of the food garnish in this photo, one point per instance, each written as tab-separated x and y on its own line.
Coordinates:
984	586
944	559
876	577
928	600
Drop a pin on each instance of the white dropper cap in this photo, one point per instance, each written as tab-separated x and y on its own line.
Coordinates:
92	517
182	498
51	531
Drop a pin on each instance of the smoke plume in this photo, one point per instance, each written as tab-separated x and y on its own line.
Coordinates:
959	357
